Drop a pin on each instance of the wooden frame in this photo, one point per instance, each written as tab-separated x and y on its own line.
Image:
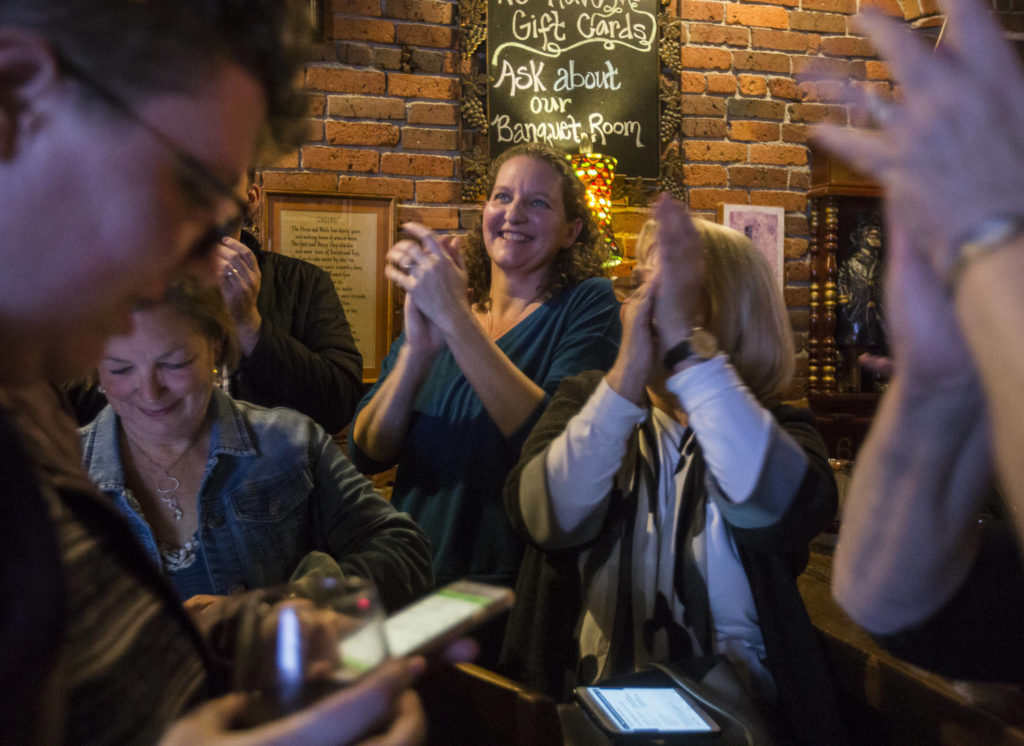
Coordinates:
348	236
765	226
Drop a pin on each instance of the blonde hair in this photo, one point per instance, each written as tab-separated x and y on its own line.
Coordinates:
747	314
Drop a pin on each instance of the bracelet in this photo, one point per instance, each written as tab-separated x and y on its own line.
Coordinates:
987	237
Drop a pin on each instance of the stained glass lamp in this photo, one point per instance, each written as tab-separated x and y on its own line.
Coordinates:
597	172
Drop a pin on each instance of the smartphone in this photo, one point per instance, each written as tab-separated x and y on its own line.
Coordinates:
646	711
443	616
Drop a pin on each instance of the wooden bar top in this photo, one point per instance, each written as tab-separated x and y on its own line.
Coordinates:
889	701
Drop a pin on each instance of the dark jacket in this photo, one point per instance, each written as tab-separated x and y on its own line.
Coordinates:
32	617
977	634
73	572
306	358
539	647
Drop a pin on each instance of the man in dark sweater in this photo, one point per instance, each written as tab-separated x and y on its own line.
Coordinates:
297	348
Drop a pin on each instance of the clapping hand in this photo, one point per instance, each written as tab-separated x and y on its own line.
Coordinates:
421	334
919	313
240	281
948	153
636	357
432	272
680	265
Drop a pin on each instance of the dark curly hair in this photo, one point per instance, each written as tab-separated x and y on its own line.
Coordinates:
583	259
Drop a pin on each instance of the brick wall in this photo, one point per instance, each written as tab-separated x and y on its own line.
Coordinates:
384	107
384	95
746	116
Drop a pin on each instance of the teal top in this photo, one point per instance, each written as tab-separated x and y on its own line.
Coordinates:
453	462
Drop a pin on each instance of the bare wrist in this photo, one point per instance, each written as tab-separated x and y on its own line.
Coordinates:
672	331
249	334
626	382
458	322
941	399
415	357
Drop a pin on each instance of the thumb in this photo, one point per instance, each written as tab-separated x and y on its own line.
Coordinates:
454	248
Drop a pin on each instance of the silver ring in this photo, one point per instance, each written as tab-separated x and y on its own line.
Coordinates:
231	271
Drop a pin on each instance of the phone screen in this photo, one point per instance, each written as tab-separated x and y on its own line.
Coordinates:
432	616
646	710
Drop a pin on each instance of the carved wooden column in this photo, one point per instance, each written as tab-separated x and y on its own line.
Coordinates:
813	348
830	244
837	195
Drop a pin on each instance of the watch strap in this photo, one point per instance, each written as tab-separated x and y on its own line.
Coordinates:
677	354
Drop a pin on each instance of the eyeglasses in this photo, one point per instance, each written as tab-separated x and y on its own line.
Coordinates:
202	186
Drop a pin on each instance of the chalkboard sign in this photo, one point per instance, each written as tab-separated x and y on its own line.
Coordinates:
560	69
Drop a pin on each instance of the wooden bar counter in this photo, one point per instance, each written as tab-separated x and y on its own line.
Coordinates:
887	701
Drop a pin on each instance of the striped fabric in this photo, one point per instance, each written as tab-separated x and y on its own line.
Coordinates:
127	668
129	664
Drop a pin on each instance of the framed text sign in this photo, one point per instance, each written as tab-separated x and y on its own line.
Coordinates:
348	236
561	69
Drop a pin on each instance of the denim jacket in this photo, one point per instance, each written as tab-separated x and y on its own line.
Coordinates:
276	489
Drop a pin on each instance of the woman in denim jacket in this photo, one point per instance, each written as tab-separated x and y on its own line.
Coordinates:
227	496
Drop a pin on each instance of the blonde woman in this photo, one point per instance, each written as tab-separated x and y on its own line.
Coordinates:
669	503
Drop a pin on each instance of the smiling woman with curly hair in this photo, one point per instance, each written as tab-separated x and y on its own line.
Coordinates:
465	382
580	261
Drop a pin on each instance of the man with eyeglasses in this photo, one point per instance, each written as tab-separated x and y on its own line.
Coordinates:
123	125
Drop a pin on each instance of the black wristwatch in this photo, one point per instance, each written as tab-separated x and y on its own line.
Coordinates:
701	344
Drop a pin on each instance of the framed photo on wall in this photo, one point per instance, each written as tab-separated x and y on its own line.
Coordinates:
348	236
765	226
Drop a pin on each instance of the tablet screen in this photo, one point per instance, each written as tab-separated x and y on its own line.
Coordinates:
649	709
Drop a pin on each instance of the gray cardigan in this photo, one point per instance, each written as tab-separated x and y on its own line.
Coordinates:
539	648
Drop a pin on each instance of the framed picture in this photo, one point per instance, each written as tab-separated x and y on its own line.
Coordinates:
348	236
765	226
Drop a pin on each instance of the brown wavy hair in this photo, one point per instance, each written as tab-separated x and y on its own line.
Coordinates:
572	265
203	307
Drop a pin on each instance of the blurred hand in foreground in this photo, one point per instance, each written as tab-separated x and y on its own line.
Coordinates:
949	153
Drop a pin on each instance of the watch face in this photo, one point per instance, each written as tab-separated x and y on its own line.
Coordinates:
703	343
